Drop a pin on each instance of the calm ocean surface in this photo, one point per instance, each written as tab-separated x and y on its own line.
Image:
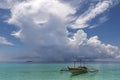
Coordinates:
37	71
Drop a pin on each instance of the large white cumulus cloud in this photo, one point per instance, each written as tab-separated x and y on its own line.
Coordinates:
42	18
43	27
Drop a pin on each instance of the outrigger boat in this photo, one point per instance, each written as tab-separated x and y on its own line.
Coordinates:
81	69
78	70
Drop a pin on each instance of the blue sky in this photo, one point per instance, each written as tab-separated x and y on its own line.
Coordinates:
108	32
59	30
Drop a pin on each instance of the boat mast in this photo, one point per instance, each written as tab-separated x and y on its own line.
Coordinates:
80	62
74	64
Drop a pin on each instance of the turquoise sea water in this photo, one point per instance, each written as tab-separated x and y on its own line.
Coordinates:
37	71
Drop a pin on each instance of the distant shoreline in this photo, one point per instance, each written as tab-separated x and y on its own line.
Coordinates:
63	62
